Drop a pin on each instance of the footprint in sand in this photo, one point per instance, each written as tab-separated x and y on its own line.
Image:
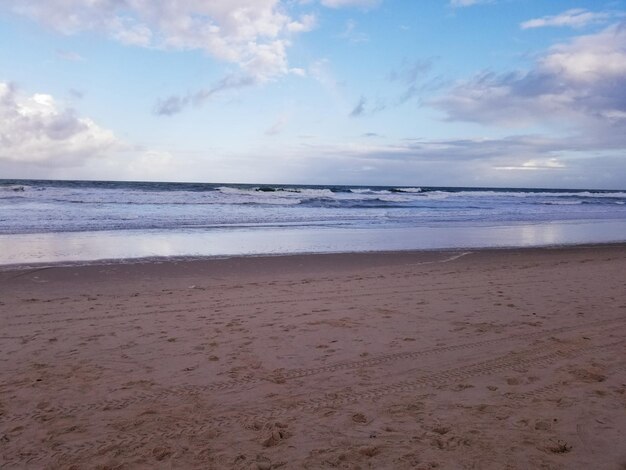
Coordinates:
277	433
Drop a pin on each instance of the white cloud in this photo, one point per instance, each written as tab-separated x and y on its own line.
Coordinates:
591	58
467	3
306	23
322	72
535	165
70	56
583	80
127	32
351	3
352	34
574	18
35	129
251	33
532	161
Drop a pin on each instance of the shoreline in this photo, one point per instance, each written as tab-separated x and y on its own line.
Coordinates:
261	256
41	249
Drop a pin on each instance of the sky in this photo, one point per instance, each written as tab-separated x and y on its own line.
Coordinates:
499	93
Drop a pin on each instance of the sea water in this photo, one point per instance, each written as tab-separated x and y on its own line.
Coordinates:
47	221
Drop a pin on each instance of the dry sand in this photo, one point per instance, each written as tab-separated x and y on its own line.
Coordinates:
489	360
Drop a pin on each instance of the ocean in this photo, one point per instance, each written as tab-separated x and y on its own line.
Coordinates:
44	221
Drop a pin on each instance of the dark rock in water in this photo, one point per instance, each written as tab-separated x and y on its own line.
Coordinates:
270	189
18	188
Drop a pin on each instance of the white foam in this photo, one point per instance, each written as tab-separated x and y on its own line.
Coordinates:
409	190
528	194
563	203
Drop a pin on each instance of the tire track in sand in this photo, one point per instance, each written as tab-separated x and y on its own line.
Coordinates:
194	390
184	429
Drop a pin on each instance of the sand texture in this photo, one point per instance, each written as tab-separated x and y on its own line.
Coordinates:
512	359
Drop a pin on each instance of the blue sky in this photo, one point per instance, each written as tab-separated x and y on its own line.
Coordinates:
432	92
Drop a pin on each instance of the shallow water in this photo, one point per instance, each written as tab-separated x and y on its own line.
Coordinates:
131	244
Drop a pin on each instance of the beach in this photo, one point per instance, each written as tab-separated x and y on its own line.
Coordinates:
487	359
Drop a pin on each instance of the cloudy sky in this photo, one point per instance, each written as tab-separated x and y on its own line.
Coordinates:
430	92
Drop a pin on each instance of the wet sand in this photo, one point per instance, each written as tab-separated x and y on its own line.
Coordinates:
487	359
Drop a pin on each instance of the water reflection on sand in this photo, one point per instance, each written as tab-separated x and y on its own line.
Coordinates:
87	246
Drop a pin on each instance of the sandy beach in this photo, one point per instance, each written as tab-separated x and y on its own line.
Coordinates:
501	359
